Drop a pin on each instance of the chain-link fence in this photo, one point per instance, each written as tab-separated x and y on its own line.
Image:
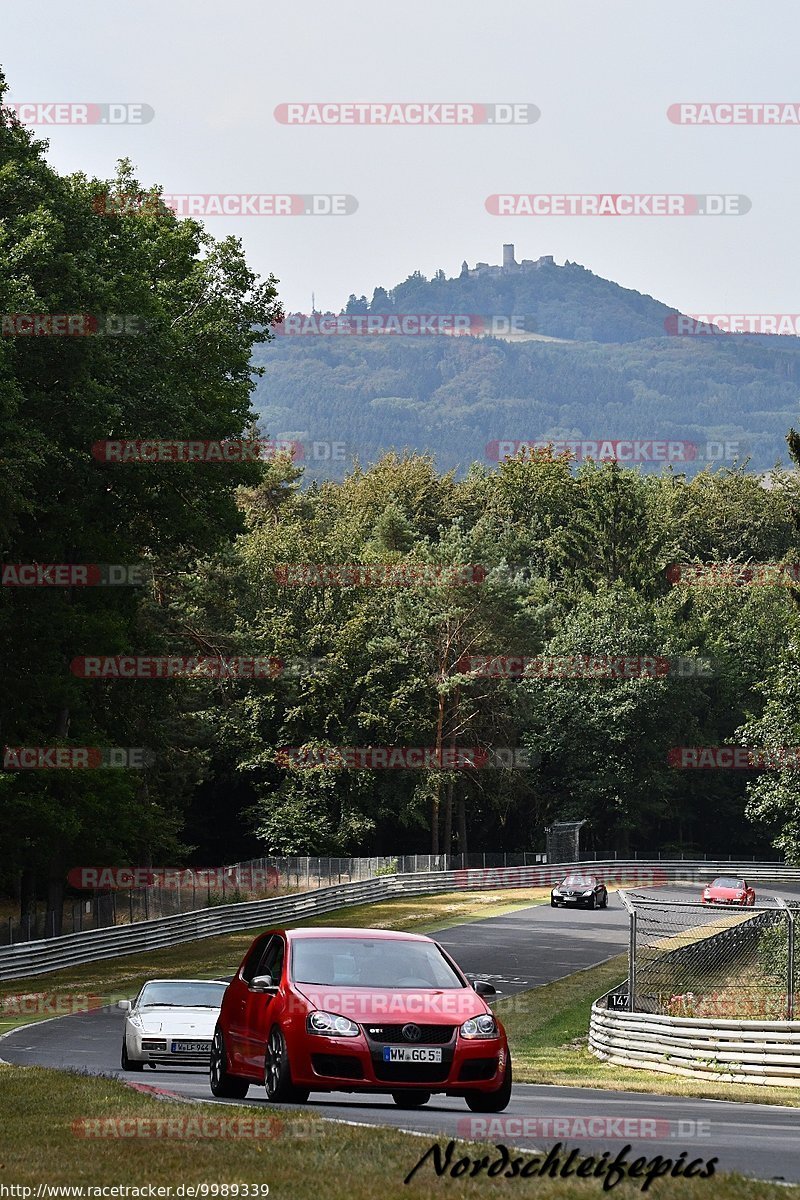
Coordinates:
187	889
688	959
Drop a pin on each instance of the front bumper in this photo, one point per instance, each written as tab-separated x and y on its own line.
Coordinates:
158	1050
357	1065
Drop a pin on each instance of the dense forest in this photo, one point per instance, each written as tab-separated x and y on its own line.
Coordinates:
562	562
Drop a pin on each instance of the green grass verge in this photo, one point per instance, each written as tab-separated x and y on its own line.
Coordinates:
548	1032
301	1159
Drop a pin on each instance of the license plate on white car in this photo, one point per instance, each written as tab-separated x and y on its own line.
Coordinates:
412	1054
191	1047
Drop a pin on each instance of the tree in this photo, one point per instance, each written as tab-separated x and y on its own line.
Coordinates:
74	245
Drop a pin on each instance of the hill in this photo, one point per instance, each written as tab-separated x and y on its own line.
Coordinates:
614	371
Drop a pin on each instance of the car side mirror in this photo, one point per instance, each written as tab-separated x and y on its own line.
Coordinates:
484	988
125	1005
263	983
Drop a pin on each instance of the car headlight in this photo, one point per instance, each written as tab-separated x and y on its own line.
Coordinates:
136	1021
589	893
331	1024
483	1026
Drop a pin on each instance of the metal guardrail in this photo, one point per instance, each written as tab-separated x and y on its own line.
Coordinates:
39	958
737	1050
766	1052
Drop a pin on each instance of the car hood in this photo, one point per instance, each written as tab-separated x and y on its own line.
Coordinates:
728	893
432	1006
197	1021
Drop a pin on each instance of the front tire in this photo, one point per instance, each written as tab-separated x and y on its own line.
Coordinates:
492	1102
129	1064
411	1099
278	1073
223	1084
593	903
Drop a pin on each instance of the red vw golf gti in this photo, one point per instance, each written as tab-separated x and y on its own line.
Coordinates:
358	1010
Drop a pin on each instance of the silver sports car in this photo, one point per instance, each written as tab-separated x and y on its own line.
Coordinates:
171	1022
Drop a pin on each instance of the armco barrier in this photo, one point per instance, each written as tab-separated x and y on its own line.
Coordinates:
38	958
766	1052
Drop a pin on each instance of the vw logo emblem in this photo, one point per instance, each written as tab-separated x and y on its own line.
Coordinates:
412	1033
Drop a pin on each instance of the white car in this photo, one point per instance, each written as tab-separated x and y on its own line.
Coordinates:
171	1022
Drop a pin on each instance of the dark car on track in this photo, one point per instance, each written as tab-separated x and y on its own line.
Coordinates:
579	891
358	1010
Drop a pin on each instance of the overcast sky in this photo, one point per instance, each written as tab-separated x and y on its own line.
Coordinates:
603	76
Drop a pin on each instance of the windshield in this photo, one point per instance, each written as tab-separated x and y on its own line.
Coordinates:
182	995
361	962
725	881
584	881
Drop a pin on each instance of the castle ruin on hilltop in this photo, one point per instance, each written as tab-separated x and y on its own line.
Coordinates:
509	264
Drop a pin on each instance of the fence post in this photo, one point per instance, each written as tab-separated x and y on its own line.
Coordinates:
790	969
631	949
789	959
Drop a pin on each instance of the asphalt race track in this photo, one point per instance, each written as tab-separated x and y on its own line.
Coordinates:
515	951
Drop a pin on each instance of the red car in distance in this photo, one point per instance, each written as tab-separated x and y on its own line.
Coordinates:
358	1010
728	889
